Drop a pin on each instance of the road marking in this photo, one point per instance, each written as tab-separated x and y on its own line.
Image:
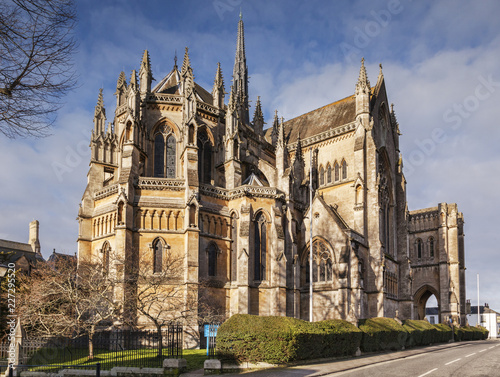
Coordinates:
471	354
491	347
484	350
429	372
454	361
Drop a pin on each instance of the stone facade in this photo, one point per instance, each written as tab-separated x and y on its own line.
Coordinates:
180	167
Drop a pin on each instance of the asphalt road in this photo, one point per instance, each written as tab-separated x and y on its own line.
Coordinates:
480	358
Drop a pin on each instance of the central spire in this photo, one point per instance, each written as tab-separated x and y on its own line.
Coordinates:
240	75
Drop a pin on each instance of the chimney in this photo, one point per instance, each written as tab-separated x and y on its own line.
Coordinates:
34	241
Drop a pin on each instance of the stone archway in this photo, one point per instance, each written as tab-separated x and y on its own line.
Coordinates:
420	299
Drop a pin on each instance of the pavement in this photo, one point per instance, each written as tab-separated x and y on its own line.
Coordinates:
327	366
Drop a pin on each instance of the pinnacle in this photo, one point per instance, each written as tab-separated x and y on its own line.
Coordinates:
186	64
363	77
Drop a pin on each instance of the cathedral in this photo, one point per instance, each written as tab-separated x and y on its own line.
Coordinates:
189	172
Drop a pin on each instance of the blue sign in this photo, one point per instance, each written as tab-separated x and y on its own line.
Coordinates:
211	331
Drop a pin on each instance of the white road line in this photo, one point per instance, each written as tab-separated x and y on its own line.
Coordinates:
454	361
491	347
429	372
471	354
484	350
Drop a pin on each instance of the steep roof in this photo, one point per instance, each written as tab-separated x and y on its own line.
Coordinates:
328	117
170	84
11	251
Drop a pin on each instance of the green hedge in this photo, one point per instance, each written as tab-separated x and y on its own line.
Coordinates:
280	340
443	332
420	333
380	334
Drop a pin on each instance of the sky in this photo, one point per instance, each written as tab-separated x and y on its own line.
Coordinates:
441	66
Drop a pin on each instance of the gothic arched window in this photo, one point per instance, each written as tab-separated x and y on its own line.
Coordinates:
431	247
419	248
321	176
344	170
157	256
165	154
260	247
204	158
212	260
329	173
322	263
337	172
234	248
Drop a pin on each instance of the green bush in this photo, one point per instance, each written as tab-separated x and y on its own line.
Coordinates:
380	334
443	332
479	333
279	340
420	333
468	333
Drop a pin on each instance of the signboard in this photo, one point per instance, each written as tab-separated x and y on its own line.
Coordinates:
211	331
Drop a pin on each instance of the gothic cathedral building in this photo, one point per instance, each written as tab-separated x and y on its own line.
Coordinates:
184	171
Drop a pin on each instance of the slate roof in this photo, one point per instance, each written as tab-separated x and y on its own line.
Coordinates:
482	310
328	117
170	84
11	251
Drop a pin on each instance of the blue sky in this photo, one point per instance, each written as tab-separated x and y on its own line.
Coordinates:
440	62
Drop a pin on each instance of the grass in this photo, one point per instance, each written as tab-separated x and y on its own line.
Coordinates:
53	358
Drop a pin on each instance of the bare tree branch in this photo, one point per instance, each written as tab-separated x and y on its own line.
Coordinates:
36	67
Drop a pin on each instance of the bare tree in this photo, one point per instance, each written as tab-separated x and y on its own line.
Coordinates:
36	67
67	301
161	296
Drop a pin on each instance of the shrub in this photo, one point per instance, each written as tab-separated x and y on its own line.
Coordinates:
479	333
420	333
381	334
443	332
278	340
468	333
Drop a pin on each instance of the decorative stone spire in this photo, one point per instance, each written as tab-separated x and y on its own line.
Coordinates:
186	64
362	91
281	142
258	118
240	75
298	150
274	132
394	121
187	74
121	89
133	80
145	74
218	90
99	115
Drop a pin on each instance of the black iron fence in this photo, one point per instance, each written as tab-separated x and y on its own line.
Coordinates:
109	348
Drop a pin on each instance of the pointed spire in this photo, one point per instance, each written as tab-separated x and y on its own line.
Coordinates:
274	132
281	142
298	150
363	77
258	118
218	90
186	64
219	79
145	74
122	80
99	115
175	60
133	80
394	121
240	75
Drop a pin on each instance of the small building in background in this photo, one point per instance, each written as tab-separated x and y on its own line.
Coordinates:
488	319
24	255
432	315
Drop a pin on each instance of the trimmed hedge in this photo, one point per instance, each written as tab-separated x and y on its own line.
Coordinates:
380	334
420	333
278	340
443	332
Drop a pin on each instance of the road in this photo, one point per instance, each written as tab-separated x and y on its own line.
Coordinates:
480	358
460	359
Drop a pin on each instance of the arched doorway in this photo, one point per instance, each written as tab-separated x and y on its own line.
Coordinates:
421	299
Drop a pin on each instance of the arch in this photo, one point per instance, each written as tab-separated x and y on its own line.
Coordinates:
419	248
431	242
205	157
328	173
106	251
159	247
337	171
344	169
359	194
323	260
321	175
420	299
212	252
260	246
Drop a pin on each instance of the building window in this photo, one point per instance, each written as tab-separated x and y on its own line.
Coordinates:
344	170
329	173
164	156
321	176
431	247
322	263
204	158
359	194
157	256
234	248
419	248
337	172
431	320
260	250
212	260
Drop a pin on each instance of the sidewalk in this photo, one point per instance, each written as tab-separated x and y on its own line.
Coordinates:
339	365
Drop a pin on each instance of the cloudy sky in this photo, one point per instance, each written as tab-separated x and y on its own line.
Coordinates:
440	61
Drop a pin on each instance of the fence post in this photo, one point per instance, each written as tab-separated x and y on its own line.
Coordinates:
98	370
